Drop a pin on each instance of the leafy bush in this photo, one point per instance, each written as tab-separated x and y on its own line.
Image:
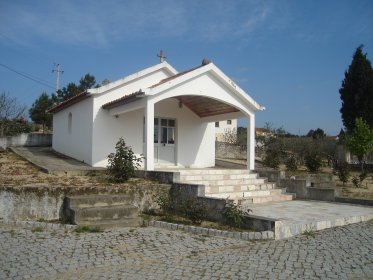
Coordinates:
122	163
166	204
291	164
313	162
358	180
233	214
195	210
343	172
191	208
272	159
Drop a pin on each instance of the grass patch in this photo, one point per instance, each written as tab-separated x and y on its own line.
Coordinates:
309	233
37	229
88	229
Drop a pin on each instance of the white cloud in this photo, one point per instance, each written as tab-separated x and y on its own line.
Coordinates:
101	23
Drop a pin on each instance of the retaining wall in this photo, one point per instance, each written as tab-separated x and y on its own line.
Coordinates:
26	140
36	202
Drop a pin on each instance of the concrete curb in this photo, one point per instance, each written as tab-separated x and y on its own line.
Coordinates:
245	235
44	225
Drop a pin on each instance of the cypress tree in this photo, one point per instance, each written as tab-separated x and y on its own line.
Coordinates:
356	91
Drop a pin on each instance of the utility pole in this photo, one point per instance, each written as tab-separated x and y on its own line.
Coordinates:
161	56
58	71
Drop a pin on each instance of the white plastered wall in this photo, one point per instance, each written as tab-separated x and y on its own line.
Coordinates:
195	142
107	129
77	141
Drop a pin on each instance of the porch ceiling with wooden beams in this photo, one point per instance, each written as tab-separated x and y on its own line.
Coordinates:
206	107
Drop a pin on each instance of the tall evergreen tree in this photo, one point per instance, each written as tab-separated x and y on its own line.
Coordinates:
356	91
72	89
38	110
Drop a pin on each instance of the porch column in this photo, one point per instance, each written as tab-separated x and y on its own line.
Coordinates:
251	142
149	136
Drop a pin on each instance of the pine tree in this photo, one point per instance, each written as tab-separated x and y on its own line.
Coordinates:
38	110
356	91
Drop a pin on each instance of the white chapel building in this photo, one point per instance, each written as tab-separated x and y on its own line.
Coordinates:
167	116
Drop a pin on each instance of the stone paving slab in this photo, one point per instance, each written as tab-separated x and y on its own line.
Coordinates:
153	253
297	216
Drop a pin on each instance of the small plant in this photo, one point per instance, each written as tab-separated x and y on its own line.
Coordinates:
357	181
313	162
122	163
195	210
309	233
41	220
233	214
37	229
88	229
272	159
343	172
291	164
165	204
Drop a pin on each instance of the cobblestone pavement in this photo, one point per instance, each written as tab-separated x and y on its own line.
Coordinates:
152	253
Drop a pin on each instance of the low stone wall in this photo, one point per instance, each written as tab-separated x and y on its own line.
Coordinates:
42	202
26	140
226	150
303	190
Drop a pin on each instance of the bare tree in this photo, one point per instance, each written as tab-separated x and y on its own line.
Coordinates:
9	110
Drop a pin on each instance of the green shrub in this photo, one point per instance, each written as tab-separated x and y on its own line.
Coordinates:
291	164
195	210
272	159
343	172
233	214
122	163
358	180
313	162
166	204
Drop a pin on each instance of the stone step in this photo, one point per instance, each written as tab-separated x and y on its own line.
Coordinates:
201	177
264	199
213	171
249	194
82	201
239	188
112	212
229	182
106	224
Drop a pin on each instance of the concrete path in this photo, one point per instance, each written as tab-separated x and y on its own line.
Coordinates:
152	253
297	216
51	162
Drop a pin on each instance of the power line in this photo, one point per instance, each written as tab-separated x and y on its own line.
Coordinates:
27	76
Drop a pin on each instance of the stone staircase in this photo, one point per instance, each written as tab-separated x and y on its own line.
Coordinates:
102	210
239	185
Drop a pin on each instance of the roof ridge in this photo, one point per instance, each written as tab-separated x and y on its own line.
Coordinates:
175	76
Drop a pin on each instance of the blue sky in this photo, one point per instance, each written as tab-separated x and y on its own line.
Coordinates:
290	56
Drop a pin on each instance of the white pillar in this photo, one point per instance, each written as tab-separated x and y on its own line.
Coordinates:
149	136
251	142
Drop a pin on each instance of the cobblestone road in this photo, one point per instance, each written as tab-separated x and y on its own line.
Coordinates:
152	253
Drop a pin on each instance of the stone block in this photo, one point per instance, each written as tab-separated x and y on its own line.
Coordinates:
157	224
205	231
258	235
251	235
237	235
245	235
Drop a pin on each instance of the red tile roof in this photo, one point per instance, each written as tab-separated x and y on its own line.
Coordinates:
67	103
123	100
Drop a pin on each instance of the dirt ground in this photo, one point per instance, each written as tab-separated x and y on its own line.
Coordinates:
15	171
